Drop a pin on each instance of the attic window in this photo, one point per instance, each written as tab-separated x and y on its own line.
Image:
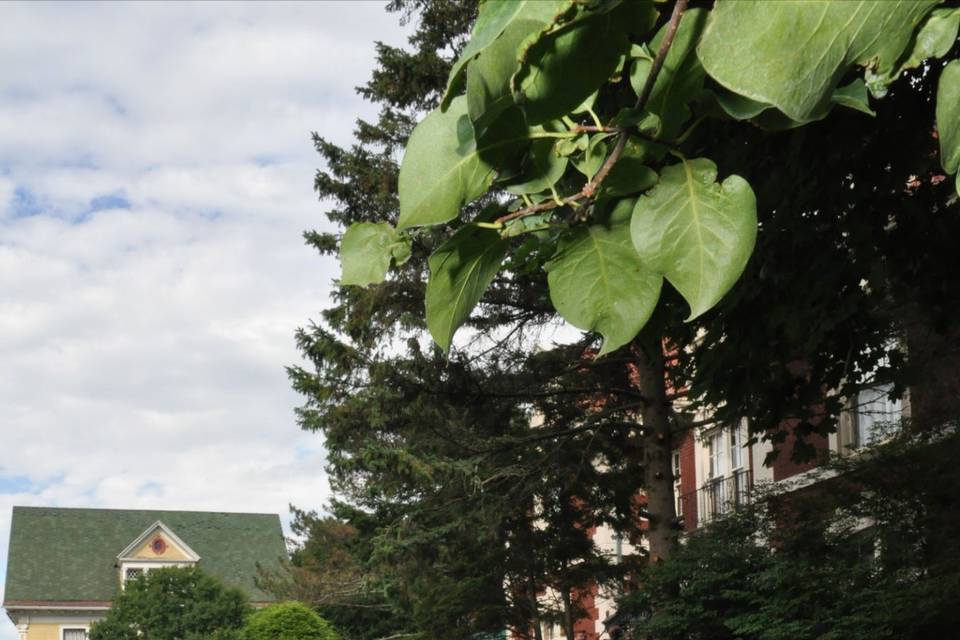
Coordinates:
158	545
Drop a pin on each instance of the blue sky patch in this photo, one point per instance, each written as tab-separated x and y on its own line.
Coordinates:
109	201
24	203
16	484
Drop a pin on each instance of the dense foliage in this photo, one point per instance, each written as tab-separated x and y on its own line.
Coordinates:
174	603
460	509
868	554
288	621
581	110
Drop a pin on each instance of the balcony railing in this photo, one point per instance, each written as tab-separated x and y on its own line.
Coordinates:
717	496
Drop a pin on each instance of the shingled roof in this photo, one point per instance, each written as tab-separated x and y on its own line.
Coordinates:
70	555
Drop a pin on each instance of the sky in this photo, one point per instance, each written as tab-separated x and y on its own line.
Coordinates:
156	175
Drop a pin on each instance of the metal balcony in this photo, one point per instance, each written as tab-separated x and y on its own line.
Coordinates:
717	496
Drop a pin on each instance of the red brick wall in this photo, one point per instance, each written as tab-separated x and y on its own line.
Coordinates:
587	625
784	466
688	480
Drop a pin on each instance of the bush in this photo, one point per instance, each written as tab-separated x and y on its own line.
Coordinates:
174	602
288	621
871	554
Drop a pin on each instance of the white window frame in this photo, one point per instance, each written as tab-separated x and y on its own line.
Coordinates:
876	408
147	566
869	406
737	451
717	457
74	627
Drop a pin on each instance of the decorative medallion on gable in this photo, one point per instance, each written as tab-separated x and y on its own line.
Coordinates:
159	543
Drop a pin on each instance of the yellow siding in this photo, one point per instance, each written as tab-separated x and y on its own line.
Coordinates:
51	630
43	631
173	552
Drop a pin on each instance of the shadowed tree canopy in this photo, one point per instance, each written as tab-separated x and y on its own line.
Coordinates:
473	477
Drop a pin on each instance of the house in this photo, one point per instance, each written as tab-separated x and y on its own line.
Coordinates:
65	566
716	470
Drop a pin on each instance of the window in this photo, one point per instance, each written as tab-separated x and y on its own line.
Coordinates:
736	447
73	633
676	466
132	573
867	415
875	409
718	454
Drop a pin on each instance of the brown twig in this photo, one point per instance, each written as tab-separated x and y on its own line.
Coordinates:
591	187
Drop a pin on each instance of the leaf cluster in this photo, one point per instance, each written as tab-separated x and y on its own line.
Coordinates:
579	109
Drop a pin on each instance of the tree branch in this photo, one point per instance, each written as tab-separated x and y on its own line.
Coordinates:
591	187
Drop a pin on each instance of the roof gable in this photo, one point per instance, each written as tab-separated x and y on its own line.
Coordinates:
64	555
158	542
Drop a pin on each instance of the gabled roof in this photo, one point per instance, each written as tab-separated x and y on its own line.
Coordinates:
70	555
152	530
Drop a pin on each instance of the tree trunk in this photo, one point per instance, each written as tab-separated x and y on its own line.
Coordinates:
567	613
663	534
534	609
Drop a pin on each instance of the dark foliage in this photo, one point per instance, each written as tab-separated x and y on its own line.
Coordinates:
173	603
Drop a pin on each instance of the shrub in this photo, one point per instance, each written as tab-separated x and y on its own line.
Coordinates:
288	621
173	602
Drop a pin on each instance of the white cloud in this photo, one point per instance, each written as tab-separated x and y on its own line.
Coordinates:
155	177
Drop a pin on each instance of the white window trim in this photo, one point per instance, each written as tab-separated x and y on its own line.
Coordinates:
148	565
74	627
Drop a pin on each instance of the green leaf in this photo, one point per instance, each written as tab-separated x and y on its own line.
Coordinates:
948	118
631	174
542	169
598	283
935	38
569	146
696	232
460	271
366	251
592	159
488	76
739	107
563	65
792	54
681	77
444	168
493	18
854	96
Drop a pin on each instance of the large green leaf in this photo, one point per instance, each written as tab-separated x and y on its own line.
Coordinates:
681	77
566	63
493	17
444	167
935	38
696	232
542	169
598	283
488	76
792	54
460	271
948	118
366	250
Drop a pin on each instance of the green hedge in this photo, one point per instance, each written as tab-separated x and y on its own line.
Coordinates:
288	621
